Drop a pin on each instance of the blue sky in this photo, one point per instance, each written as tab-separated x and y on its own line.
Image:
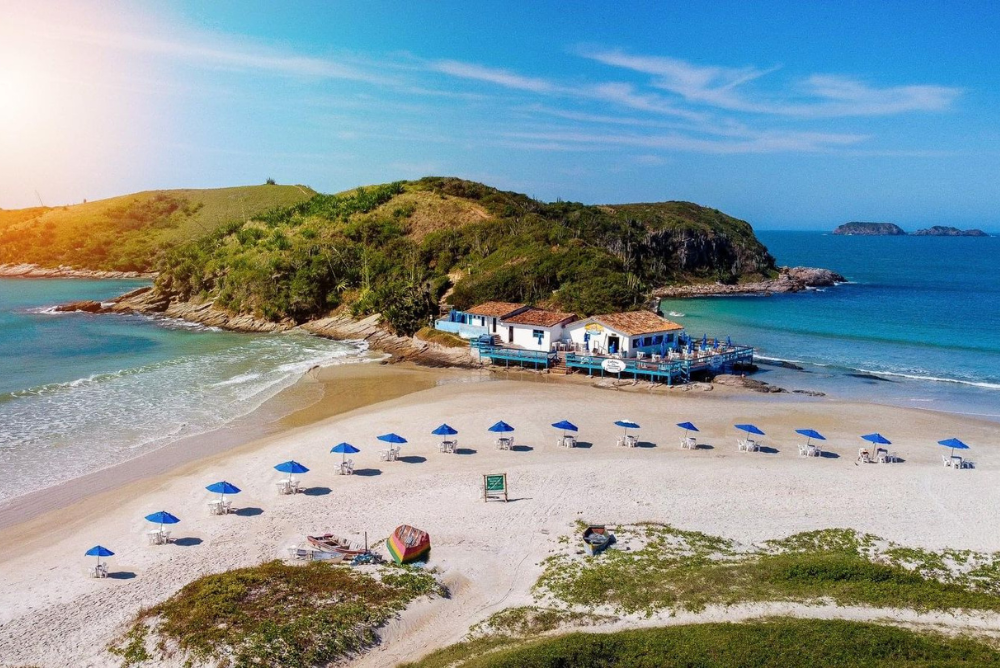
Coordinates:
786	116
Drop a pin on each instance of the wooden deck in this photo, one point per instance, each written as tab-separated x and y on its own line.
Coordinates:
663	371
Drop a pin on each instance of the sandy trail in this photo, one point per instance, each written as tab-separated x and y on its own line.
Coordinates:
489	553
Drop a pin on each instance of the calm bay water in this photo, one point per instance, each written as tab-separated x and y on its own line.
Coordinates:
80	392
919	322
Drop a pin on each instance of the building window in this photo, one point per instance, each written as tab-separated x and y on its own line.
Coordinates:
539	335
658	339
635	343
670	338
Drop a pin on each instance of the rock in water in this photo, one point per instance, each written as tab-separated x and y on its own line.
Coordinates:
85	306
944	231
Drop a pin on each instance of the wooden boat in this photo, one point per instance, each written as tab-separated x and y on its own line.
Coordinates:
328	542
596	539
408	544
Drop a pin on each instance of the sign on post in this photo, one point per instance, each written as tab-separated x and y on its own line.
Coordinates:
495	486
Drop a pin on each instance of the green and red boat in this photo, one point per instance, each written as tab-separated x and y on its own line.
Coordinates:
408	544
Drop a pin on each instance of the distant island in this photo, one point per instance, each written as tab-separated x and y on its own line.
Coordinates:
893	230
942	231
870	229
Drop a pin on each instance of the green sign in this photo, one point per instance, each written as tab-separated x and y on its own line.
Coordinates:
495	486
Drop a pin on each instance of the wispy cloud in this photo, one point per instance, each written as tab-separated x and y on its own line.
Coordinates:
493	75
214	51
770	142
818	95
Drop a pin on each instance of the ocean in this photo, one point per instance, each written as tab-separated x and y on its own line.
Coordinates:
918	325
81	392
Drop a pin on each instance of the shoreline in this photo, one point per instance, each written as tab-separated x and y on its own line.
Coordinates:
746	497
342	388
789	280
36	271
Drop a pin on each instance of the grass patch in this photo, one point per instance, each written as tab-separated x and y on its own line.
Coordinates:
274	614
666	568
778	642
446	339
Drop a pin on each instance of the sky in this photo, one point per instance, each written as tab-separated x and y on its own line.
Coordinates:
789	115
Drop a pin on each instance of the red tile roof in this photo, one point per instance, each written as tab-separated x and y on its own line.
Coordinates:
539	317
634	323
495	309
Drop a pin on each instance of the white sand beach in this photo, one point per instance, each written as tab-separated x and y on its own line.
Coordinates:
51	614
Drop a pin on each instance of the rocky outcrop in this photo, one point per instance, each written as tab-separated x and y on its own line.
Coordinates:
694	253
943	231
870	229
149	301
400	348
34	271
790	279
730	380
85	306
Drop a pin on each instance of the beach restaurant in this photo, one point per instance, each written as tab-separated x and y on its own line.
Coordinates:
623	334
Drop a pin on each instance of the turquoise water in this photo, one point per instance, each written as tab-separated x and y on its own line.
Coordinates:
80	392
919	320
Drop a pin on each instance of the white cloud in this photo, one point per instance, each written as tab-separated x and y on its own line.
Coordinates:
817	95
493	75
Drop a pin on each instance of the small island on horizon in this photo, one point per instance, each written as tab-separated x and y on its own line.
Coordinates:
892	230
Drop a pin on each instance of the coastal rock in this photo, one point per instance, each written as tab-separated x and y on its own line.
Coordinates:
870	229
85	306
35	271
943	231
730	380
789	279
150	301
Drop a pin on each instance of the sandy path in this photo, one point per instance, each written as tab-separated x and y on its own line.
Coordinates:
489	553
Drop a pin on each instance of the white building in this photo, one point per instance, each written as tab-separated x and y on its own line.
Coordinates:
623	333
489	314
534	328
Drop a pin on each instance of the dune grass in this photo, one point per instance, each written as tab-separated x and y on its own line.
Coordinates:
274	614
445	339
778	642
666	568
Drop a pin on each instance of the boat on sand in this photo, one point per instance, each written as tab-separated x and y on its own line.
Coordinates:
408	544
328	542
596	539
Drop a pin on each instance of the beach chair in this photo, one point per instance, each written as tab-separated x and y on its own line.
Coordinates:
946	460
98	571
347	468
803	450
864	456
385	455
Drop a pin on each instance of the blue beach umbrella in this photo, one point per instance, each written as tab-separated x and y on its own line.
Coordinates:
162	517
445	430
704	340
290	467
501	427
626	425
810	434
344	449
690	345
98	551
750	429
954	444
687	426
222	488
566	426
391	438
664	348
877	439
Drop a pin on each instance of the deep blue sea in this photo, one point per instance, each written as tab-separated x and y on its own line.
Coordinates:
918	325
80	392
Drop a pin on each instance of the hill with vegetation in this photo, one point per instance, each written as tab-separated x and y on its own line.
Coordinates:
131	232
286	254
398	248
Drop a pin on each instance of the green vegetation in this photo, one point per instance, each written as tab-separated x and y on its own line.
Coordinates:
129	233
286	253
395	249
666	568
777	642
273	615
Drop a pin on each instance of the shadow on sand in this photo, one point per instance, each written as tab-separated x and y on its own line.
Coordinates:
316	491
248	512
